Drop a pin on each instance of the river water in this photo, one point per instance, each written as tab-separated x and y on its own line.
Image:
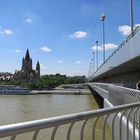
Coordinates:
20	108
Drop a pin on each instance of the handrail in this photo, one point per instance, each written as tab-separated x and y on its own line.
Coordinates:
15	129
120	46
116	93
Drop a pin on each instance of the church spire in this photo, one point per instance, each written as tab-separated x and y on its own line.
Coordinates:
38	69
27	56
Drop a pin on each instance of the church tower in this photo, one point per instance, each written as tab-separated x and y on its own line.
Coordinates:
38	69
26	72
27	62
23	61
26	66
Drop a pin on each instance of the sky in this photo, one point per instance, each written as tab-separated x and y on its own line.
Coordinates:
61	34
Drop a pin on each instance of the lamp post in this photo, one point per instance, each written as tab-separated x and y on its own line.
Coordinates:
102	18
93	62
91	66
96	54
131	15
89	71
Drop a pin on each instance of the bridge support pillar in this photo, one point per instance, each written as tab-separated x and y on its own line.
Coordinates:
99	100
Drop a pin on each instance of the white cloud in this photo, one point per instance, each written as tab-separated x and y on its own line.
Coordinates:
136	25
45	49
60	61
28	20
110	46
125	29
78	34
17	51
78	62
107	47
99	48
42	66
6	31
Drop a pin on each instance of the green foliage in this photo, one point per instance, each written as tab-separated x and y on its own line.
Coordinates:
75	80
49	81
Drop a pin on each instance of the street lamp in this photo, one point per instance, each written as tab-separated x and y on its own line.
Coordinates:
102	18
89	71
131	15
92	66
96	54
93	62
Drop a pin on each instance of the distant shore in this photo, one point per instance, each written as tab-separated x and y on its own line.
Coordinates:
62	91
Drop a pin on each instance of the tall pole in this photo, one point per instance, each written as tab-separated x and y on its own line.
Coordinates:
102	18
131	15
96	54
90	71
93	62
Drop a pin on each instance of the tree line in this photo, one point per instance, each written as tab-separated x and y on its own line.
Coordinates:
49	81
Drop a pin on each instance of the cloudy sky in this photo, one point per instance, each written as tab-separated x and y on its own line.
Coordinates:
61	34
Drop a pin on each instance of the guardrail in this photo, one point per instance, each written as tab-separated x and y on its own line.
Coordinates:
117	49
116	94
121	95
124	122
121	45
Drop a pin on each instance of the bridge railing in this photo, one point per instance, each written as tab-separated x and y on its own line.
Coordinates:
124	122
117	49
119	95
116	93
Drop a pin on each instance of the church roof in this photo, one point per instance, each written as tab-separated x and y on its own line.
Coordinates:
27	56
37	65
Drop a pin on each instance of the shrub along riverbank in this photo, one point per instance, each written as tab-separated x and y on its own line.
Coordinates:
48	81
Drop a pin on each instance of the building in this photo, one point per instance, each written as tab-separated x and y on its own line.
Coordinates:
27	73
6	76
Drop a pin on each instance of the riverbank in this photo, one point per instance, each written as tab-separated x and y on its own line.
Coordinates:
62	91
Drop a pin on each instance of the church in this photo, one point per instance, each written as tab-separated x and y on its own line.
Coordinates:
27	73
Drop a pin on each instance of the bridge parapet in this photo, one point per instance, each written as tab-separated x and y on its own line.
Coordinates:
119	95
100	88
115	93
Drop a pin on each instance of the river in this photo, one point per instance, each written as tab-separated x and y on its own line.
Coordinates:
20	108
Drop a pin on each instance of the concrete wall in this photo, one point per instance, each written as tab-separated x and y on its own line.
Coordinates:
128	79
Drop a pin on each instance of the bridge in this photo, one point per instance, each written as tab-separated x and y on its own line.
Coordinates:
119	118
122	66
